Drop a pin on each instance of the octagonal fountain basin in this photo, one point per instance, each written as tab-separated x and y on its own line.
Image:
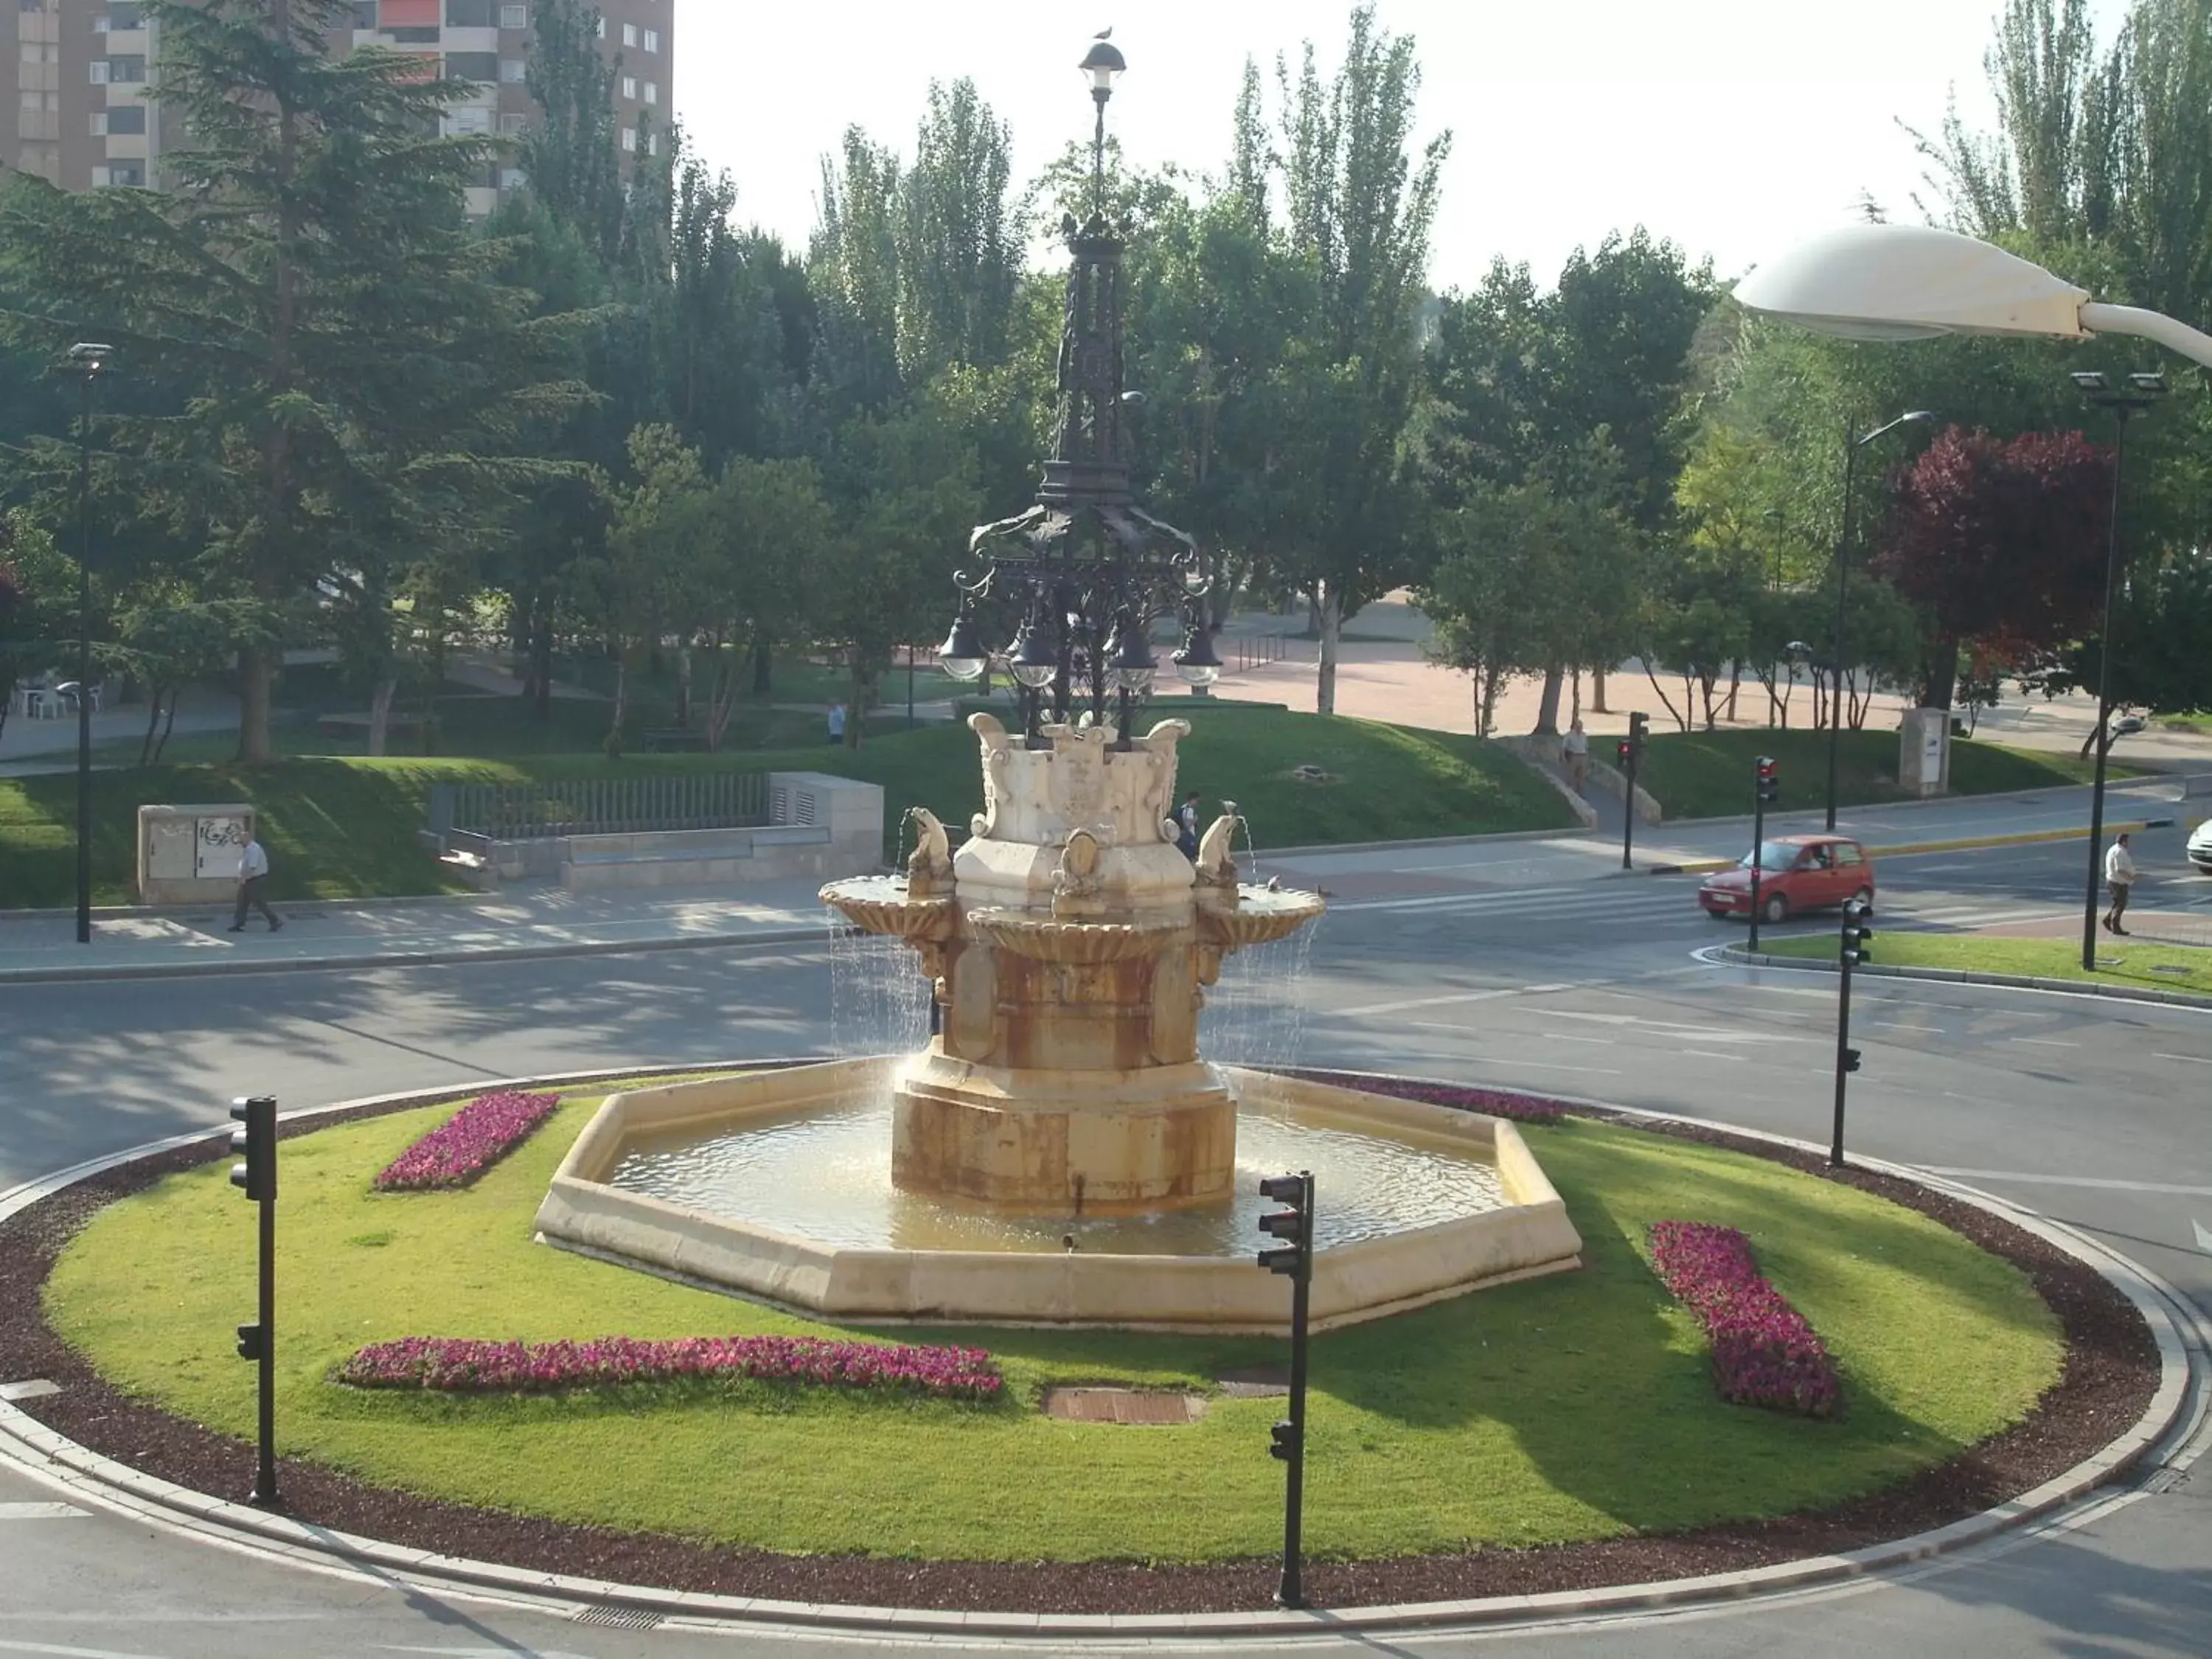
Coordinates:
777	1185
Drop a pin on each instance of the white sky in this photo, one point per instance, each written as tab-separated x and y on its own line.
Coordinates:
1734	127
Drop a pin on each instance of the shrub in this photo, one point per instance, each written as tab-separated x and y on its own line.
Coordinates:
468	1143
452	1364
1764	1352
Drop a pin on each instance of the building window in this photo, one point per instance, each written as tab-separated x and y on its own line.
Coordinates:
98	70
653	144
468	122
629	139
364	14
126	71
652	39
469	14
99	123
423	35
130	174
514	17
513	71
600	28
513	177
125	119
652	93
118	19
630	34
629	85
512	121
472	66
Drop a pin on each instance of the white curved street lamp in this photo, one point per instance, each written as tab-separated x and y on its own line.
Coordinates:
1914	283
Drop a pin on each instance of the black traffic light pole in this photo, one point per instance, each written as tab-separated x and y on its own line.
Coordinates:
257	1341
1851	951
1758	841
1287	1440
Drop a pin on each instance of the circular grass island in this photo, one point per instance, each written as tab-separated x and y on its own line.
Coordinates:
1558	1433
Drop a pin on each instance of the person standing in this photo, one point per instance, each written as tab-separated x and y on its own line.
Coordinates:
1574	749
252	871
1187	826
2119	877
836	722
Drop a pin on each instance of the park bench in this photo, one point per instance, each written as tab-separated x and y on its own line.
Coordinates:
666	740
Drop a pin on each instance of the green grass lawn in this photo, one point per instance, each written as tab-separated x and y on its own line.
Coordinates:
1578	1406
2198	723
1707	775
2120	961
345	827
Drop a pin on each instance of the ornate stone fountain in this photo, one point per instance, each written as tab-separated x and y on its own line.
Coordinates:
1068	941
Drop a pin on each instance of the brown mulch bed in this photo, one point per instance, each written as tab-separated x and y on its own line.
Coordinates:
2109	1374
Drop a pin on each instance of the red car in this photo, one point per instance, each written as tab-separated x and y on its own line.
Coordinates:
1796	873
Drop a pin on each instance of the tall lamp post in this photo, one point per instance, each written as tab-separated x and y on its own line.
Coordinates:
88	359
1851	447
1085	571
2141	391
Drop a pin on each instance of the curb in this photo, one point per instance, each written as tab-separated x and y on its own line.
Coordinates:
409	958
1737	956
52	1457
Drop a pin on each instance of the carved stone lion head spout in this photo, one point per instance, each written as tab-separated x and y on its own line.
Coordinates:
1217	859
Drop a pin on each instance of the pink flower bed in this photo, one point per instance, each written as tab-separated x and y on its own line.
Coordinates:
453	1364
1764	1352
1493	1102
468	1143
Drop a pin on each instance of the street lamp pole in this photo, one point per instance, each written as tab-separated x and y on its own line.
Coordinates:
1851	447
88	359
2139	394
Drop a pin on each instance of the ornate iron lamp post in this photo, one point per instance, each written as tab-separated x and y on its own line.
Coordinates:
87	359
1085	570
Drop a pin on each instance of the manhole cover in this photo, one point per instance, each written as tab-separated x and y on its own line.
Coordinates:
621	1618
1143	1407
1256	1382
2175	969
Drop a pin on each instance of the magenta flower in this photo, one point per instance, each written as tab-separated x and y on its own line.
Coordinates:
468	1143
460	1365
1764	1353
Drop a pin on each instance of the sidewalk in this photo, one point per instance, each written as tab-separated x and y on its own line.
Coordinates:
531	921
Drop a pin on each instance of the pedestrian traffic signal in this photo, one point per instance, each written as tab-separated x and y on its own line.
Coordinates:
1768	787
1850	1060
1283	1440
1640	728
249	1341
1622	751
1856	933
1294	1225
256	1144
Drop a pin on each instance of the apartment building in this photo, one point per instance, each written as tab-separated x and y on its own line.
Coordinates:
81	69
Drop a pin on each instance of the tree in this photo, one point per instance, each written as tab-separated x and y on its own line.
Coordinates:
37	585
571	152
2162	619
1357	205
356	388
2002	542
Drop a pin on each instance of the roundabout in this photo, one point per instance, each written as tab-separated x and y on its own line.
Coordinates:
1565	1427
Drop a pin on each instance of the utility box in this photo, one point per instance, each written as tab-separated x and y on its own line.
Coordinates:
191	855
1923	752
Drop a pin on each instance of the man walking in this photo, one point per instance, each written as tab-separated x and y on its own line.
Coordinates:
2119	877
1186	819
837	723
252	871
1574	749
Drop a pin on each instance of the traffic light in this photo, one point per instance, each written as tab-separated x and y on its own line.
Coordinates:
1283	1440
256	1144
1856	933
1850	1060
1620	753
1639	725
1294	1225
1768	785
249	1341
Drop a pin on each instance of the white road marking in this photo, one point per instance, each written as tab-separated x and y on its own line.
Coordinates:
2100	1182
1553	1065
70	1653
1707	1053
2203	1239
1439	1002
2044	1042
40	1512
2190	1059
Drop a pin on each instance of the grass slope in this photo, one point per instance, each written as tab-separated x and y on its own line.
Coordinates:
344	827
2124	962
1706	775
1574	1406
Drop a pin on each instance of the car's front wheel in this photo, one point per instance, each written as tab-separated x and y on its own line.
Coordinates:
1776	908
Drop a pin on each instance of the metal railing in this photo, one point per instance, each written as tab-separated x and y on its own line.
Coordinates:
599	806
1258	650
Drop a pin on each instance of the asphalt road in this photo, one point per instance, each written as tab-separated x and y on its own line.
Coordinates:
2094	1112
